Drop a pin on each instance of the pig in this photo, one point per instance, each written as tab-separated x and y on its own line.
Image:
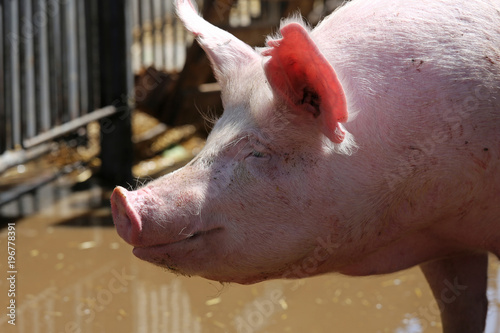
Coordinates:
367	145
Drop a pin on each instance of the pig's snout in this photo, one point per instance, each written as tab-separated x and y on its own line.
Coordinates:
127	220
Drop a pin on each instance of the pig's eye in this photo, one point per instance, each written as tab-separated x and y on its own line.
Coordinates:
257	154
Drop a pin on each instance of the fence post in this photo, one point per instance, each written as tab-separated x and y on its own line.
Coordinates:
116	87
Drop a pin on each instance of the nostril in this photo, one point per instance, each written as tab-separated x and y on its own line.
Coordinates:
126	219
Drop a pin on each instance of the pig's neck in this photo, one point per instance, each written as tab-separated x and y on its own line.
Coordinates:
406	210
372	203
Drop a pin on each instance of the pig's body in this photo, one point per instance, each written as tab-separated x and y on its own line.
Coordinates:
283	190
423	81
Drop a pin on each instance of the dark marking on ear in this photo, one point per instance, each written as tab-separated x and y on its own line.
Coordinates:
312	98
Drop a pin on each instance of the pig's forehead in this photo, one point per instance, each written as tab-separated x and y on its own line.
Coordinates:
235	122
246	89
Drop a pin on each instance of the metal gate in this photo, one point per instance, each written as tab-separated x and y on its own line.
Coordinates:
63	64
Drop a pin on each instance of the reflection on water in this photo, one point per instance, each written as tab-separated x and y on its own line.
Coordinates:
164	308
76	275
411	325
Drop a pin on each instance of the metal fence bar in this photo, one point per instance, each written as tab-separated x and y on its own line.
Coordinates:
165	5
55	68
136	32
129	74
71	60
157	32
92	36
83	68
12	84
28	69
152	46
147	33
168	38
42	67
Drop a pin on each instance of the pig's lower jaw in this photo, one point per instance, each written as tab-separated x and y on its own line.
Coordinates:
159	256
189	257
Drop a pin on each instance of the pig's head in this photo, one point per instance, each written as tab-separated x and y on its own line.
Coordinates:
251	205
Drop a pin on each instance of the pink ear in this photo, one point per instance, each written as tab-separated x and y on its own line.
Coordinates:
302	76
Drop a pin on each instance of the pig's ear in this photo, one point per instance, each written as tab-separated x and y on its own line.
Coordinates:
300	74
226	52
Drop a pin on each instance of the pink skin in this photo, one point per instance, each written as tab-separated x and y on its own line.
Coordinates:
287	187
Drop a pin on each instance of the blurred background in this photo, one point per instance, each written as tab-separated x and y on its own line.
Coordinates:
100	93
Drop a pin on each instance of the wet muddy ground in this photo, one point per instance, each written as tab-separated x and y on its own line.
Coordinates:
74	274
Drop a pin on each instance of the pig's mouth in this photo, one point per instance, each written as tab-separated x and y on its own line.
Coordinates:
190	238
198	234
176	255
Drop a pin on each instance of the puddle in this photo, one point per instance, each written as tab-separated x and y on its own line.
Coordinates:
75	275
